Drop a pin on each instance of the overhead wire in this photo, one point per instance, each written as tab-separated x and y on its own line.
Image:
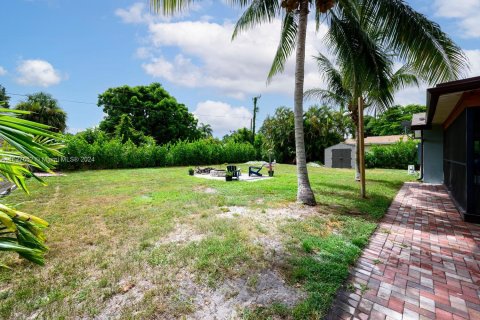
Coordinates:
126	107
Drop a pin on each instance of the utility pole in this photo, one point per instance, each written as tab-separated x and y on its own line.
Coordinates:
361	146
255	110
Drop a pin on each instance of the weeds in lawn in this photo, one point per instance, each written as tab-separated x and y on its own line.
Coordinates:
150	228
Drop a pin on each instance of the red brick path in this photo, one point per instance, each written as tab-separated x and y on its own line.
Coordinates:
423	262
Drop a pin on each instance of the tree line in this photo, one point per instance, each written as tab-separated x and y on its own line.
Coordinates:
148	114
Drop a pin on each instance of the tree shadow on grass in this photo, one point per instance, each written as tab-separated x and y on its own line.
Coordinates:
347	199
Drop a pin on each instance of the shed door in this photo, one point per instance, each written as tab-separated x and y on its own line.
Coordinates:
341	158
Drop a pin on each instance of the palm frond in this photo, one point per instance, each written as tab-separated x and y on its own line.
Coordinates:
25	143
288	40
327	97
404	77
170	7
331	75
365	65
416	40
259	11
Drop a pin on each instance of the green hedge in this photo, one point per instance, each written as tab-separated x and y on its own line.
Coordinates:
112	154
395	156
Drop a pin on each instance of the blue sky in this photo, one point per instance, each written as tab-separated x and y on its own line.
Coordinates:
76	51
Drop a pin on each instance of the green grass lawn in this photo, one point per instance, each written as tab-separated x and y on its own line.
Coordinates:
157	243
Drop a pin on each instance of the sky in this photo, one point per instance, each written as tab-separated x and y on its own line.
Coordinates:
77	51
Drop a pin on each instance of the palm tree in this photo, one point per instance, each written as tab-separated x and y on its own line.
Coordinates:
25	144
44	109
205	130
344	91
410	35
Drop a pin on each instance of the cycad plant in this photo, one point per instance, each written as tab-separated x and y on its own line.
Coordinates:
25	145
408	34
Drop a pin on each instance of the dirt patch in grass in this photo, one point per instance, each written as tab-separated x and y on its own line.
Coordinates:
150	244
204	189
292	211
273	249
181	234
129	293
232	296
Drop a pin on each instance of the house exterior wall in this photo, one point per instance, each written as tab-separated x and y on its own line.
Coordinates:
328	153
433	155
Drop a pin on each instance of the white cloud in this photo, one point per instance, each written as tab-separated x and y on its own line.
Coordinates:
134	14
204	56
138	13
474	58
222	117
412	95
210	59
465	11
3	71
37	73
143	53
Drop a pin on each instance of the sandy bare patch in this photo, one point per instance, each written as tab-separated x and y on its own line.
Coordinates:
206	190
294	211
181	234
130	293
259	201
228	299
273	249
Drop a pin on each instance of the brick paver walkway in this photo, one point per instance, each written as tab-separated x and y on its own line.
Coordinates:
423	262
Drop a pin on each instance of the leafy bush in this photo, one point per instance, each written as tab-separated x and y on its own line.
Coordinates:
93	150
395	156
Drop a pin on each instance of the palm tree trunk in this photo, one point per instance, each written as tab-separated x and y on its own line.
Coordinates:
361	145
304	193
354	116
357	154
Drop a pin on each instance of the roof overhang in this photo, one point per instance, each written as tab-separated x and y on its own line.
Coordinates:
442	99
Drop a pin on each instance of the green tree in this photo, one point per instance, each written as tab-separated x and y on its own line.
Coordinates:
206	130
152	110
125	131
92	135
279	135
242	135
367	120
324	127
390	121
4	98
408	34
43	108
364	40
345	88
25	144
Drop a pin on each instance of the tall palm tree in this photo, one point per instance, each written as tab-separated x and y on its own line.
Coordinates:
406	32
344	90
43	108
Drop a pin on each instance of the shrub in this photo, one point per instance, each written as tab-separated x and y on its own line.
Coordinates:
395	156
93	150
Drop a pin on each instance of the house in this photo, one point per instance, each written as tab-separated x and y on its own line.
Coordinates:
450	142
343	155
